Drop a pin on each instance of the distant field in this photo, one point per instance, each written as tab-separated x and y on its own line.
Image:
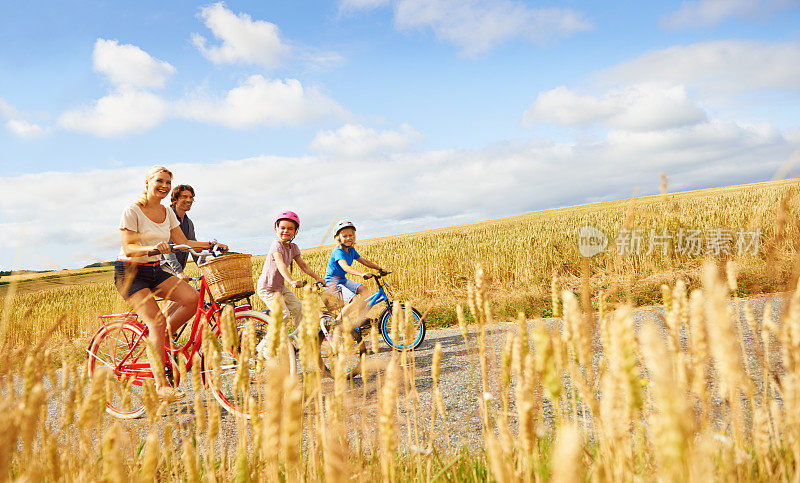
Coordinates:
520	255
27	282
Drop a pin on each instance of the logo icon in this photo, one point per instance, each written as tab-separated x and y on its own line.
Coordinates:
591	241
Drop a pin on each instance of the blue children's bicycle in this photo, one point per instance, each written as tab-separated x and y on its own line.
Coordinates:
384	320
411	341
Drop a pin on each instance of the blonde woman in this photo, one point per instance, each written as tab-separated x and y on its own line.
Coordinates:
147	226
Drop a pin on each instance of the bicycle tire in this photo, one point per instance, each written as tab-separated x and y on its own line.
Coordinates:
111	344
328	356
225	390
385	325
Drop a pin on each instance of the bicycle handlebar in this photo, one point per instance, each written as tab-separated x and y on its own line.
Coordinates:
378	275
211	252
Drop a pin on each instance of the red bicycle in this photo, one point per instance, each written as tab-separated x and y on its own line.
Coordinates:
120	345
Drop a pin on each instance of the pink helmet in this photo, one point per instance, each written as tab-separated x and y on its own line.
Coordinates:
288	215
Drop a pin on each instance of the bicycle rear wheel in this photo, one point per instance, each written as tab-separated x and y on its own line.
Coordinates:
416	331
239	379
121	347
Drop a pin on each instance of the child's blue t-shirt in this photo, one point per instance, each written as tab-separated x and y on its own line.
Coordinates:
336	271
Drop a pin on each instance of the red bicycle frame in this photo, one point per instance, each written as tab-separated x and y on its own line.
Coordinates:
205	309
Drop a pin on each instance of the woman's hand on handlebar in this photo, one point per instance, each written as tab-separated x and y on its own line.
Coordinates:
159	249
221	247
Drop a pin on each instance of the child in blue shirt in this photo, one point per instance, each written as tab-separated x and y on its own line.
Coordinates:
341	263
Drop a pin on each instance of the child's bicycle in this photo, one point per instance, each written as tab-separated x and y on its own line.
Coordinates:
120	345
355	351
353	347
384	320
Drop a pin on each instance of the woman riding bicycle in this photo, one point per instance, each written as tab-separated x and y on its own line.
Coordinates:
147	227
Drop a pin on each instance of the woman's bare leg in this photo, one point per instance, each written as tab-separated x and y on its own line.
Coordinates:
182	301
147	309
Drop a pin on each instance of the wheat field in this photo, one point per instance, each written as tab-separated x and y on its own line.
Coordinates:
709	393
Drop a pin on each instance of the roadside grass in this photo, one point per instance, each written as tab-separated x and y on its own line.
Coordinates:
709	393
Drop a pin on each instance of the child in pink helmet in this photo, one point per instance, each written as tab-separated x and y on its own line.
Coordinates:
276	270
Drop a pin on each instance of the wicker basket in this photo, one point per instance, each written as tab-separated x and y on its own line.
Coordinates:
229	277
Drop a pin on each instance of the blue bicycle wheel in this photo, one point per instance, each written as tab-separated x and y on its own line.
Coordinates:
417	334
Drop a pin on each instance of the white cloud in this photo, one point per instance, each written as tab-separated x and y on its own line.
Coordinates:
124	111
356	141
242	38
24	129
716	68
642	107
478	26
16	123
130	107
564	106
262	101
417	190
128	65
708	13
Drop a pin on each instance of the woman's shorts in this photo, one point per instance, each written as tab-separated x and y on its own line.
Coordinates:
343	287
132	277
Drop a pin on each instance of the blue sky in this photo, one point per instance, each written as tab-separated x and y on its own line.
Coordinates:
399	114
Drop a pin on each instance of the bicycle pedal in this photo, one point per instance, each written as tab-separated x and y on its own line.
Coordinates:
169	375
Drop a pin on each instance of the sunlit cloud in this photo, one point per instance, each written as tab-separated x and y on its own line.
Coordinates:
124	111
128	65
262	101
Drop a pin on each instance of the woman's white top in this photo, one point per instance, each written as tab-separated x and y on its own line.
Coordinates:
150	232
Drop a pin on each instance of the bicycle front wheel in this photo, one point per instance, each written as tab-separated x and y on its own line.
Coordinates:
121	347
239	380
416	333
348	353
